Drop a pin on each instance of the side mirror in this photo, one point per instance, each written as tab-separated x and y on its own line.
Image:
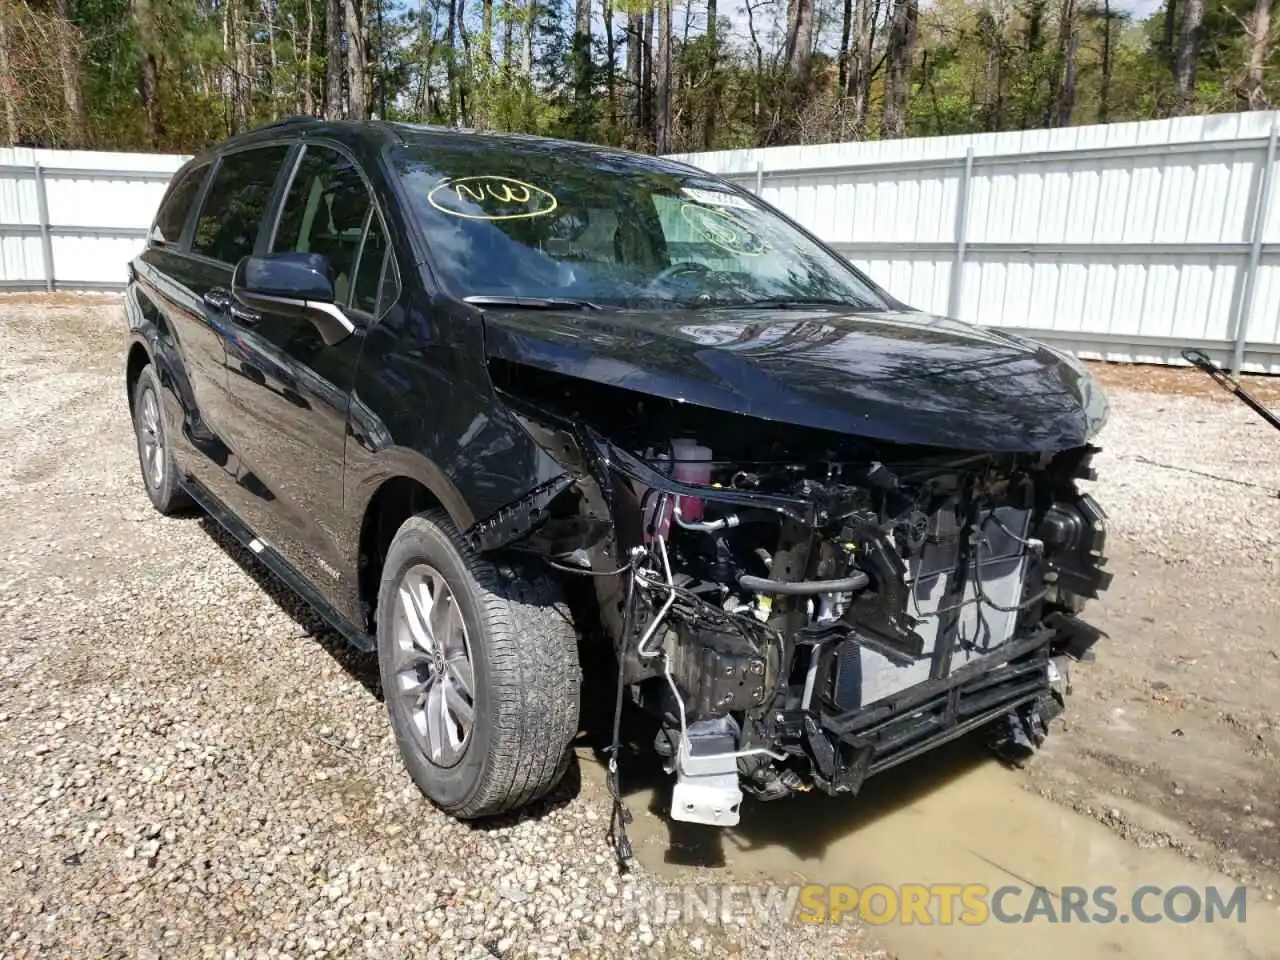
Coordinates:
293	284
290	276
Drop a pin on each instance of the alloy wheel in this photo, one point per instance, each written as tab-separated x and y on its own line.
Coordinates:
151	436
434	677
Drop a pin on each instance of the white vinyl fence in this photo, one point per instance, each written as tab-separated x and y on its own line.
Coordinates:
1126	241
73	219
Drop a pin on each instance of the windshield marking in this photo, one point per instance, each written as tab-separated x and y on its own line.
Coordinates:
494	196
724	231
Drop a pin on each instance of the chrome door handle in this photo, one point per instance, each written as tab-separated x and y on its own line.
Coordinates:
217	299
243	315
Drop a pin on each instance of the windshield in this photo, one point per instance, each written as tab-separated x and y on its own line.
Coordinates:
563	224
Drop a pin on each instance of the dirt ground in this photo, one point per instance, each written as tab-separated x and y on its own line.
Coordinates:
1179	381
186	758
1172	735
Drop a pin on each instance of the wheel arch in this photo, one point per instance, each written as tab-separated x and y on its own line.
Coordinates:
148	348
139	358
399	484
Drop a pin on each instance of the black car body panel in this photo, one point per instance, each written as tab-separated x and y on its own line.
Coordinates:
908	378
857	462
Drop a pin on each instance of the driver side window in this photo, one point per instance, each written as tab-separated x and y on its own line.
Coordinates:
329	210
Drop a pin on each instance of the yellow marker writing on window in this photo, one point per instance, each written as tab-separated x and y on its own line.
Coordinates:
723	229
491	198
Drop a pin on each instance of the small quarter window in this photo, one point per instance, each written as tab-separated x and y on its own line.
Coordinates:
373	257
390	284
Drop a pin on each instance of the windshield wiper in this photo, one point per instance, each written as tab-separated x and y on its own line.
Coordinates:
799	303
532	303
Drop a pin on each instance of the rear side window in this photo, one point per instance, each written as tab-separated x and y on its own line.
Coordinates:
227	228
172	216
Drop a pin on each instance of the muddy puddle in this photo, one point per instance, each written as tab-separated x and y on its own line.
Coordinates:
957	818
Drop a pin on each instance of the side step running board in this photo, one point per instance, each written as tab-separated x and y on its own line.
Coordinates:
277	565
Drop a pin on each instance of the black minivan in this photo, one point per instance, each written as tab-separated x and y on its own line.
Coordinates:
429	376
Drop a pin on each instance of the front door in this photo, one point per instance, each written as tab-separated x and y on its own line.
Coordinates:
289	391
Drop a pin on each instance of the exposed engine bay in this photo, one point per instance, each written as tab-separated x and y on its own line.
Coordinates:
801	608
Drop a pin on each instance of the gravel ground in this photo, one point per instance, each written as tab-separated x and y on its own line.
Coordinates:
191	764
1192	480
1173	736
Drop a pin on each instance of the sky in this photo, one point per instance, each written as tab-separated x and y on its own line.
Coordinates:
767	19
1140	9
735	12
769	15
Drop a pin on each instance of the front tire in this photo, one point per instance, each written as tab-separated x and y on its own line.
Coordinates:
154	456
479	671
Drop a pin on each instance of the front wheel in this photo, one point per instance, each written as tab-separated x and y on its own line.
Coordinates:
479	672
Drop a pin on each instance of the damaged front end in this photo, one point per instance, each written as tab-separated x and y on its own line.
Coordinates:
803	608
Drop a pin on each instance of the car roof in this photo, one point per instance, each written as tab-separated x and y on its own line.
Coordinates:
412	135
379	134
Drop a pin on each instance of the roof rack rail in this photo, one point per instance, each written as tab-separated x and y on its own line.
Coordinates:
295	118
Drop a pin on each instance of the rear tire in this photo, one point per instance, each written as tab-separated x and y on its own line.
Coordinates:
479	670
155	457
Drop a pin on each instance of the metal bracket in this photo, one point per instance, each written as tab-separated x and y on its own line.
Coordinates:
517	520
706	789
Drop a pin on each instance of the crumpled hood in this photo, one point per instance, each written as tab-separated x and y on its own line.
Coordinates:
903	377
